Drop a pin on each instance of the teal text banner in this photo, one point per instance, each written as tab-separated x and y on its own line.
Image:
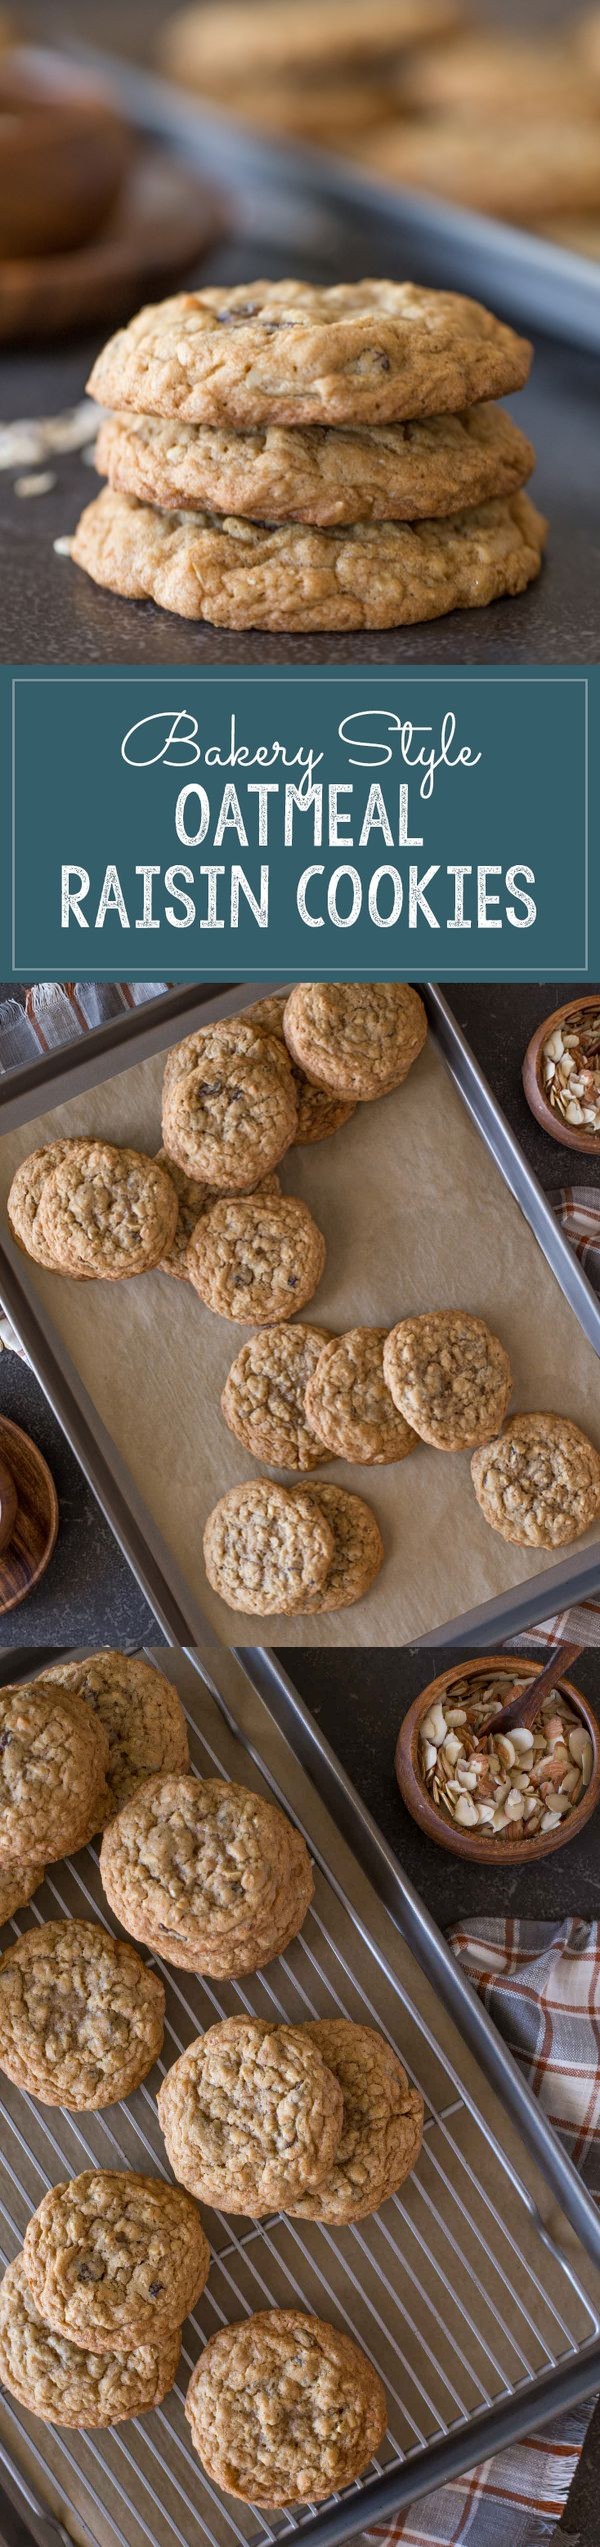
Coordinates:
188	825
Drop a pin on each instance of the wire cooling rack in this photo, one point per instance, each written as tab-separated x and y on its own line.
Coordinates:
456	2290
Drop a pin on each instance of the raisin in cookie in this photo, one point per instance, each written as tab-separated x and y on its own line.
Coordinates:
81	2017
349	1405
236	1043
450	1377
109	1212
538	1482
238	1124
357	1039
297	353
140	1712
17	1887
382	2128
56	2380
268	1549
231	1114
239	574
251	2115
257	1261
264	1398
358	1550
322	474
284	2409
53	1761
208	1874
115	2260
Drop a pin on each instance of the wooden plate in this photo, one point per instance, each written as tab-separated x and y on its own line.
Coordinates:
163	223
28	1551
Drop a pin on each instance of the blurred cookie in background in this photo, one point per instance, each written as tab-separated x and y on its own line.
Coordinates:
319	72
581	237
522	171
587	41
485	70
421	93
327	112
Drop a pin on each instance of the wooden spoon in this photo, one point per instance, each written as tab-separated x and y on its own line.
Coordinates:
522	1710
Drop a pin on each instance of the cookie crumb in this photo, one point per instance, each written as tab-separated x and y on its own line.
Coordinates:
39	482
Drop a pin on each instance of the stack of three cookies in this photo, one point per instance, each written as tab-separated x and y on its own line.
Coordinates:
284	456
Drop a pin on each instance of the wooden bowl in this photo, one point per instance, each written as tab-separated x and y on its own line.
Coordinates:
27	1551
164	220
8	1504
435	1822
572	1136
63	153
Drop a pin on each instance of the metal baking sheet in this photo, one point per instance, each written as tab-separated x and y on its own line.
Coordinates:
476	2291
299	212
181	1615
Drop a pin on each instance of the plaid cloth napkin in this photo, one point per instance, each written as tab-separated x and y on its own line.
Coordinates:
577	1208
541	1985
579	1626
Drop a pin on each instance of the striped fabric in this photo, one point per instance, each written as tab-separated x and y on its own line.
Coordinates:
579	1626
577	1207
541	1985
